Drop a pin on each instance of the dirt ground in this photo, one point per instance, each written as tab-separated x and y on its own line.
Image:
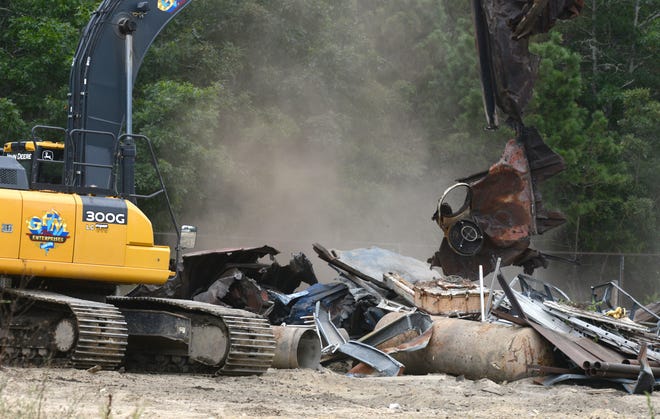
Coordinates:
62	393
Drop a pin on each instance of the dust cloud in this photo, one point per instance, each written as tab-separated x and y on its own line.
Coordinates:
337	176
291	196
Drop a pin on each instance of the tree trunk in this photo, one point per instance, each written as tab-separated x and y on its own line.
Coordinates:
631	64
594	49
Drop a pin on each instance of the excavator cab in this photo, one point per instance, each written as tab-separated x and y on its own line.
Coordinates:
43	161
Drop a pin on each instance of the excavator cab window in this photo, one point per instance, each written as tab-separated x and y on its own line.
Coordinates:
48	164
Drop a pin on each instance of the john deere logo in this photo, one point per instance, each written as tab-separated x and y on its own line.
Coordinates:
49	230
170	5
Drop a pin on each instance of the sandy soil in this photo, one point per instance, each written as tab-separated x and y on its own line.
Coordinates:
60	393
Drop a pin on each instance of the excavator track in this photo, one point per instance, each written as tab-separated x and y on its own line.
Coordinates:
46	328
237	342
252	346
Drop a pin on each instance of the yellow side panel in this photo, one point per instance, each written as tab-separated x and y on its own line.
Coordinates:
79	237
101	224
11	218
141	232
157	257
49	226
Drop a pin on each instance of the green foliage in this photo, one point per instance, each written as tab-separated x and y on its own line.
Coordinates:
11	123
36	46
639	126
617	41
598	190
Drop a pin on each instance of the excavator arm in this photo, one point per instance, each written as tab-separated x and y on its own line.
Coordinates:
105	66
507	69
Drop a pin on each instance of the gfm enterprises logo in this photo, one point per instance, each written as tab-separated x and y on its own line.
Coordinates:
49	230
170	5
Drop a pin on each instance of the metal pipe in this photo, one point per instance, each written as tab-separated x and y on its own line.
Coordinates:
622	368
475	350
128	148
296	347
636	362
129	82
481	293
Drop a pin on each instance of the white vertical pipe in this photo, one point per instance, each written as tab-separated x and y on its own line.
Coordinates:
481	293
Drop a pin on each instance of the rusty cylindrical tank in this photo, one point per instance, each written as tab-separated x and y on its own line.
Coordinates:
475	350
297	347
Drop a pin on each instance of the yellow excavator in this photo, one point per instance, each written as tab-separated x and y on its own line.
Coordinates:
72	232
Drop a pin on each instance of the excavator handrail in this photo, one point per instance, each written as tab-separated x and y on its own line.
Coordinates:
163	189
112	167
34	129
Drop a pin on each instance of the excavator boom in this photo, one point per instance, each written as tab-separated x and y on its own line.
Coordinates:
105	65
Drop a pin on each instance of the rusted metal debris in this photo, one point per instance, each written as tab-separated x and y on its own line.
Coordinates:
595	346
508	69
379	289
236	278
590	346
504	205
475	350
502	210
206	266
380	361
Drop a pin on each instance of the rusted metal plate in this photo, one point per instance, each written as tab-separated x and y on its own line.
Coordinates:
502	200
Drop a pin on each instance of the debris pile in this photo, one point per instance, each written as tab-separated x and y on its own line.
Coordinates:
390	313
593	345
